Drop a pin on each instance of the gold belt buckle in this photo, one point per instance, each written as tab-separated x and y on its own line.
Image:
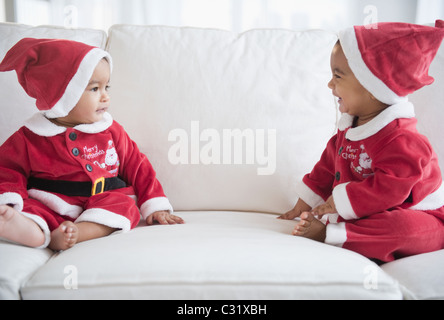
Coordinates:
102	186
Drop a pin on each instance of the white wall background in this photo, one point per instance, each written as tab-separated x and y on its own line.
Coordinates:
234	15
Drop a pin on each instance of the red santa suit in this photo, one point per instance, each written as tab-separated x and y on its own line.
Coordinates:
43	150
384	176
97	155
386	184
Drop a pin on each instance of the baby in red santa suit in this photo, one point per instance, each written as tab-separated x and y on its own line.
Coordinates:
377	189
71	173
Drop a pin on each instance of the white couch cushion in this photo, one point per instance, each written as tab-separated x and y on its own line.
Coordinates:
421	277
215	255
185	85
17	264
15	105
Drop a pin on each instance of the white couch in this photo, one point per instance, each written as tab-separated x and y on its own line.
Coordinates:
230	122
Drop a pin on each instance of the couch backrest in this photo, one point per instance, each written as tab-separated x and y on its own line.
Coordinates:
188	95
230	121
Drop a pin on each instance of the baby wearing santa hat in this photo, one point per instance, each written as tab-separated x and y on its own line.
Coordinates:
378	186
72	173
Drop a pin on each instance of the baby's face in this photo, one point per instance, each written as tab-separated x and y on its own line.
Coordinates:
95	100
354	99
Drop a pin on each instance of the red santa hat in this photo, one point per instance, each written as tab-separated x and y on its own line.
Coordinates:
53	71
392	60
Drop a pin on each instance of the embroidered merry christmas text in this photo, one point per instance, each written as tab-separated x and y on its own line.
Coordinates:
104	157
92	152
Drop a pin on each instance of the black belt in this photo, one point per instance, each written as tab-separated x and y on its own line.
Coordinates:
76	188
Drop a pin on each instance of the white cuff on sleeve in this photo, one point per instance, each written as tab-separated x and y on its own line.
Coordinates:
342	202
154	205
336	234
13	199
306	194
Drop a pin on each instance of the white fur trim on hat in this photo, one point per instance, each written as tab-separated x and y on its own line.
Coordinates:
78	83
367	79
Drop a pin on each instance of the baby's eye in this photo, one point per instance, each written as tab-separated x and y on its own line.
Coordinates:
107	88
95	89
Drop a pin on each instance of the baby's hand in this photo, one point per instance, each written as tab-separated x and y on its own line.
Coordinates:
163	217
327	207
301	206
290	215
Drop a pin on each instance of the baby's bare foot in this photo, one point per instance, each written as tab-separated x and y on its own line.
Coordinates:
17	228
310	227
64	237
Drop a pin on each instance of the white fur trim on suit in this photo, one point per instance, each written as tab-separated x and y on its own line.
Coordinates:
96	127
78	83
56	203
154	205
43	127
336	234
106	218
309	197
403	110
368	80
342	202
12	198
